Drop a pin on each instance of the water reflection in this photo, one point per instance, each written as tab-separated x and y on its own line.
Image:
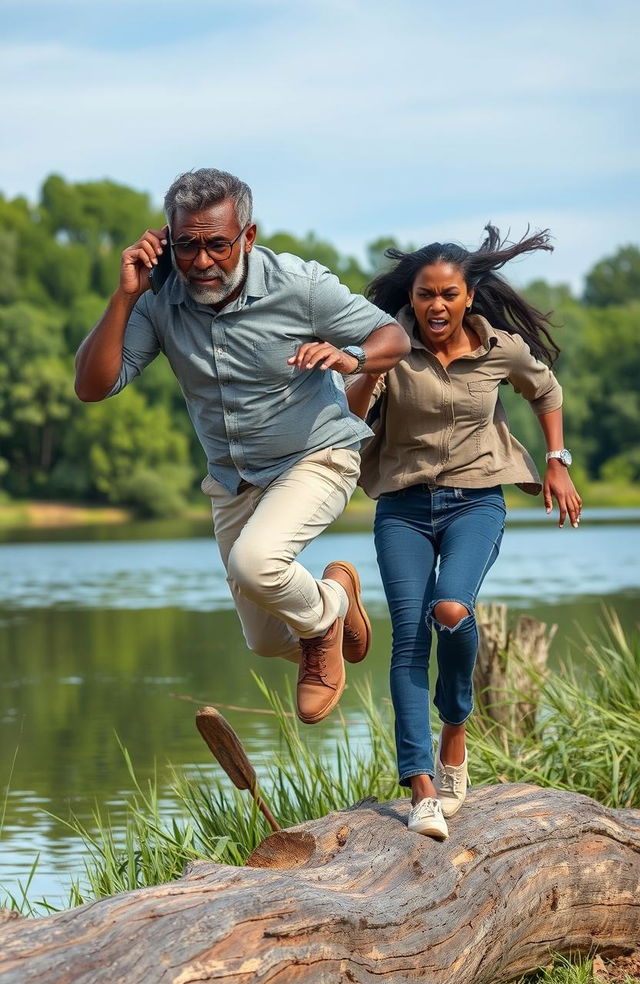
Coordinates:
546	564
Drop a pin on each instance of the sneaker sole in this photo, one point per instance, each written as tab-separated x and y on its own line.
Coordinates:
315	718
450	812
430	832
355	577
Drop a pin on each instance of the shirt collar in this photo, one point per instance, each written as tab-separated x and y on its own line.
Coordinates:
484	331
254	285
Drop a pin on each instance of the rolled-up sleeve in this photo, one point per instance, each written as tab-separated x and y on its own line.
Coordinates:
140	346
337	315
532	379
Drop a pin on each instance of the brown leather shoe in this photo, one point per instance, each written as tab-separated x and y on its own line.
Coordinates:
357	627
321	675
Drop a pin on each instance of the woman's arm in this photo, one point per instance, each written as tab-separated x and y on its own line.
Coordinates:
557	481
360	391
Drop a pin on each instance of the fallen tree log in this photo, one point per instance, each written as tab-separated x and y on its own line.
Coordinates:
356	897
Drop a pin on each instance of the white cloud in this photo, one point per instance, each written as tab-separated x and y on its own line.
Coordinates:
349	118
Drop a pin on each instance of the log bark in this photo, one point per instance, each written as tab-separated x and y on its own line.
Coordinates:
356	897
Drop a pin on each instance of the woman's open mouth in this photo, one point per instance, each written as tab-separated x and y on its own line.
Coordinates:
438	324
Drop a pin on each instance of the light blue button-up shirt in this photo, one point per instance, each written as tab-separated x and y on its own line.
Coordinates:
254	414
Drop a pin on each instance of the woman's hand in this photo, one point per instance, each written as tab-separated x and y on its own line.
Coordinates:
557	484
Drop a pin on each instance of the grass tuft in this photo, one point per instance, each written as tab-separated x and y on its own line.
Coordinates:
587	734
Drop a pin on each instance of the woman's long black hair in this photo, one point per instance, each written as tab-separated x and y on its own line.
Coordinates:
493	297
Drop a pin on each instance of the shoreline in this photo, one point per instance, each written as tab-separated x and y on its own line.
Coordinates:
33	514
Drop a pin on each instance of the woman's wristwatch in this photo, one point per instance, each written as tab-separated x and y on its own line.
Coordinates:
356	352
564	456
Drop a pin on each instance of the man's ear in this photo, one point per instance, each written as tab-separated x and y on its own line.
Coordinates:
250	237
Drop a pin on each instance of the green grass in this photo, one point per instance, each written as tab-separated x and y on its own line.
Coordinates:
586	739
567	970
587	734
563	971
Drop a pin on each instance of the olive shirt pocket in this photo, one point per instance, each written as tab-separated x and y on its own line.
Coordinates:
482	396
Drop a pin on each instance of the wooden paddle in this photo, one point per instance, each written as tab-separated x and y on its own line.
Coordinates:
227	748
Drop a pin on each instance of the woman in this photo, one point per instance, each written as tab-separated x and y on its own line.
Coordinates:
441	452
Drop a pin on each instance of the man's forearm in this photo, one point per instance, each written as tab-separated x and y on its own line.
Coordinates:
99	357
385	347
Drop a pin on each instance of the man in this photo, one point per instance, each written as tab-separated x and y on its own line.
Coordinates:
255	341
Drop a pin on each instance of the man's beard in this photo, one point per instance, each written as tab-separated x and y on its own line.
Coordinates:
219	289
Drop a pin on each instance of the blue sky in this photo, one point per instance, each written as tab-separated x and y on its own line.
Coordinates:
353	119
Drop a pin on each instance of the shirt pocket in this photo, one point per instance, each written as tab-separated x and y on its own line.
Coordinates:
483	395
270	358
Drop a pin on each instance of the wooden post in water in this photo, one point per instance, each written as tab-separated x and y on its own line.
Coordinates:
511	666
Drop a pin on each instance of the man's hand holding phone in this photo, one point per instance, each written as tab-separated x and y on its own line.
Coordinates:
146	264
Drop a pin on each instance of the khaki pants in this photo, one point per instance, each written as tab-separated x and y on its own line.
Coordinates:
260	532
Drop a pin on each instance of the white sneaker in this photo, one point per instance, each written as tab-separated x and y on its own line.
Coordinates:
451	783
426	818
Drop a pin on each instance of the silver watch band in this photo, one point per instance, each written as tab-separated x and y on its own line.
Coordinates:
563	455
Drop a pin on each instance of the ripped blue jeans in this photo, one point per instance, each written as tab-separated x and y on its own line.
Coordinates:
433	544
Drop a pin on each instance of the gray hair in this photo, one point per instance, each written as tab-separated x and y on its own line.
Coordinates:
195	191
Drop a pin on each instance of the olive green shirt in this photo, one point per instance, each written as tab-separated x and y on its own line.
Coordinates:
447	426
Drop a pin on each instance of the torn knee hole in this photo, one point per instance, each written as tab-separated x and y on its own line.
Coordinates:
449	613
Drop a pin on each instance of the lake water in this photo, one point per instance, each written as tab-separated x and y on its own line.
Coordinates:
106	634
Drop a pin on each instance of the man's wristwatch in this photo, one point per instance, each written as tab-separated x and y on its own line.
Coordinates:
563	456
358	353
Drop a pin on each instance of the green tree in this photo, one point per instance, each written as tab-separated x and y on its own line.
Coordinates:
9	285
96	212
615	279
310	247
59	261
375	253
127	453
36	395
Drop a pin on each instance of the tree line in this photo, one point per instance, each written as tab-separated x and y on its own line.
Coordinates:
59	261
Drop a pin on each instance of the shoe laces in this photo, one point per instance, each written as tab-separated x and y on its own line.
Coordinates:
314	662
425	808
452	779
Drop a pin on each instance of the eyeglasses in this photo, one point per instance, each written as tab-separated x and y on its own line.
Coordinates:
216	249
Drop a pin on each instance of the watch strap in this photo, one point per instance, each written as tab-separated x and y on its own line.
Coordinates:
358	353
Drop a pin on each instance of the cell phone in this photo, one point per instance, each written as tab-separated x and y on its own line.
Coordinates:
161	270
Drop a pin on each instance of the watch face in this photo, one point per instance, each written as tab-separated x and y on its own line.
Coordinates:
565	457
